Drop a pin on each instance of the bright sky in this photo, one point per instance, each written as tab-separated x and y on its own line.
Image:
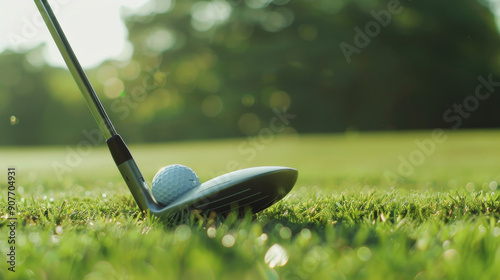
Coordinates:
93	27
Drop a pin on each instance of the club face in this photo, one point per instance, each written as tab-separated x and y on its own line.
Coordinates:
252	189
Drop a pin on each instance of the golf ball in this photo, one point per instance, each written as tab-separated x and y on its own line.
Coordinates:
172	181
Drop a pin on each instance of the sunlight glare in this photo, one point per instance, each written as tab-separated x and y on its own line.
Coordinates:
94	28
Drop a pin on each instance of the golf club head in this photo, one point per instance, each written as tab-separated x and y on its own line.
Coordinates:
251	189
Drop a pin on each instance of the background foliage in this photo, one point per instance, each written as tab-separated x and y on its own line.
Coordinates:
218	68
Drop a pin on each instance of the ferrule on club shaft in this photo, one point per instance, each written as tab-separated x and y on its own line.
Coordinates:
130	172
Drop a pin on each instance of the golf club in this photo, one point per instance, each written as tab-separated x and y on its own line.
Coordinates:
251	189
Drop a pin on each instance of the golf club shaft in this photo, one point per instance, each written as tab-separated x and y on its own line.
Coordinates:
76	70
121	155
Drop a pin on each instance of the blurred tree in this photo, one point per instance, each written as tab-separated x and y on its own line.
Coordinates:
207	69
39	105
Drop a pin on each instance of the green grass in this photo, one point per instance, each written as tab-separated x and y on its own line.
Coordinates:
343	220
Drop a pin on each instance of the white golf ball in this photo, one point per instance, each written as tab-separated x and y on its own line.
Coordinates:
172	181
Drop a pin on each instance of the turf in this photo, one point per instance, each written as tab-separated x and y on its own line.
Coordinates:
355	212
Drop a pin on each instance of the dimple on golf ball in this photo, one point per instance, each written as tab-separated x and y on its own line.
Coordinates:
172	181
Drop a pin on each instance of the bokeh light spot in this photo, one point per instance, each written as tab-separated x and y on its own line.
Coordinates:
248	100
243	233
160	40
35	238
305	233
257	4
212	106
286	233
206	14
209	82
261	239
228	241
451	256
496	231
364	254
58	230
55	239
113	87
308	32
182	233
211	232
164	6
160	78
279	99
14	120
105	73
470	187
274	22
130	71
186	73
249	123
35	58
276	256
277	20
163	98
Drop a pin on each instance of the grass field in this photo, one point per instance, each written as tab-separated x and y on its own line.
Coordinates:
365	206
